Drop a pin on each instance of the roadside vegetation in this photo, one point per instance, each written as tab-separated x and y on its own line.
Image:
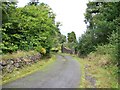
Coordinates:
27	31
18	54
97	67
100	70
98	47
32	27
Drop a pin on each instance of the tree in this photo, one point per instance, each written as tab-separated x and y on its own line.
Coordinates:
102	19
71	37
8	8
33	2
85	45
28	28
62	38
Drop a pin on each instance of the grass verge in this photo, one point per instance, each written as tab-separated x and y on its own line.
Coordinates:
27	70
104	74
83	82
18	54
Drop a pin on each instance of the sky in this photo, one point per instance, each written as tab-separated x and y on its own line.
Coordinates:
69	12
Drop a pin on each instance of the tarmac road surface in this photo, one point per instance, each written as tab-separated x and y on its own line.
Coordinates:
63	73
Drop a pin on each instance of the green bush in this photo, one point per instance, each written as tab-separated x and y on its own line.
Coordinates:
114	40
43	51
28	28
38	48
111	49
105	49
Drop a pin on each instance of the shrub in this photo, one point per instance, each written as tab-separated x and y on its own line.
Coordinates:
114	40
110	49
43	51
38	48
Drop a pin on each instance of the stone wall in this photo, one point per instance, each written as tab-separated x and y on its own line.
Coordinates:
66	50
9	65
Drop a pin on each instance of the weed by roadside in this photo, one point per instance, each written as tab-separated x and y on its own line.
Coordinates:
18	54
98	69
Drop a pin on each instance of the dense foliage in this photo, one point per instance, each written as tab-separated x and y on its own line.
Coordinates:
71	42
101	41
71	37
103	19
32	27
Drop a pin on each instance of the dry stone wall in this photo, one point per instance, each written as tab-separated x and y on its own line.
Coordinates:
9	65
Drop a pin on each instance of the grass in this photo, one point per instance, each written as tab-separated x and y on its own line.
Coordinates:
83	82
18	54
104	74
19	73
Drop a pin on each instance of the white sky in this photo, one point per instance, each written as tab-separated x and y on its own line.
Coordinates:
69	12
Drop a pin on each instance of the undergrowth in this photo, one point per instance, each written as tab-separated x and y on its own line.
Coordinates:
101	69
18	54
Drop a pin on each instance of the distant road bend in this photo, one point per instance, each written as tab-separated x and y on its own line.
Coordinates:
63	73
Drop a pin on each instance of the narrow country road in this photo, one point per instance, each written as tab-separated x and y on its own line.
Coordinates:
63	73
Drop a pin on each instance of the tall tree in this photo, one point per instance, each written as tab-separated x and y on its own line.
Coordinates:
30	27
102	19
8	7
33	2
72	37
